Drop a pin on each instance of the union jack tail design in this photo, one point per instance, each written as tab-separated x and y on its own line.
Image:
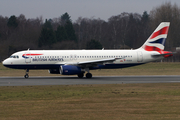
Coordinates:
157	39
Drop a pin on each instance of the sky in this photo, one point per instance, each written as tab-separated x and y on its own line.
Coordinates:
102	9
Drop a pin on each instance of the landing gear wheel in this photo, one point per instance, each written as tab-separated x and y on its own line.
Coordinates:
26	76
81	75
88	75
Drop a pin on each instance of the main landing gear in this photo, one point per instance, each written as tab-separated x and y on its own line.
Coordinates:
88	75
26	74
81	75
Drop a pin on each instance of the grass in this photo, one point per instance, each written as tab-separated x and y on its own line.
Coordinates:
91	102
94	102
146	69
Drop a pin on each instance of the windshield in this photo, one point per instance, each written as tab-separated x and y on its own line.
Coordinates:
14	56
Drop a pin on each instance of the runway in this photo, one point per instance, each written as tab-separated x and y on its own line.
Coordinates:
21	81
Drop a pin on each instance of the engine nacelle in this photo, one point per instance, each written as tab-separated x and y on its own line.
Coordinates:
54	71
70	70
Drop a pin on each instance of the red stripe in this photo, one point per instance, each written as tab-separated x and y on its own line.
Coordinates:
151	48
31	54
160	32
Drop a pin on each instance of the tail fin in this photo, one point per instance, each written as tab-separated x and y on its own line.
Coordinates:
157	39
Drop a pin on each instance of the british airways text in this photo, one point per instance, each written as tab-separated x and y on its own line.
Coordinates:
45	59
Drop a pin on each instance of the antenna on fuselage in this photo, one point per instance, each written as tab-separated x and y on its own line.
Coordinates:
28	49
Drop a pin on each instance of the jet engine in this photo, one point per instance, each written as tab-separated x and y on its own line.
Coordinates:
70	70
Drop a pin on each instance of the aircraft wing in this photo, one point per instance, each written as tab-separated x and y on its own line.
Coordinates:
97	61
93	62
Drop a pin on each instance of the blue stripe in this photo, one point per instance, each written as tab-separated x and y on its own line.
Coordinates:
31	66
55	66
160	41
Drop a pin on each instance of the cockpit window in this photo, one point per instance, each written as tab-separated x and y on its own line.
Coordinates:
14	56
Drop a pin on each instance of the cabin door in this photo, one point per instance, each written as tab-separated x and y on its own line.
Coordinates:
27	58
139	56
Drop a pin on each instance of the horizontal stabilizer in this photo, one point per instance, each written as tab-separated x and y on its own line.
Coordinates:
164	54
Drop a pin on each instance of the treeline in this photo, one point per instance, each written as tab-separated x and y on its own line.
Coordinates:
123	31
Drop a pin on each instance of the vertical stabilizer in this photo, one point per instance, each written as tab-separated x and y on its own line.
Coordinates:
157	39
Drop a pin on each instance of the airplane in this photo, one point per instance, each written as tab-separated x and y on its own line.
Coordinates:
78	62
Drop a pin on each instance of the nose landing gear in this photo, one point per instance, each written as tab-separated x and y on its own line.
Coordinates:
26	74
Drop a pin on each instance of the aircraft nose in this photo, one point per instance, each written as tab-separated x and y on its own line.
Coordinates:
5	62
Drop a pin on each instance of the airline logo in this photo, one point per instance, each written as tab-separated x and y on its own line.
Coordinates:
157	40
160	32
29	55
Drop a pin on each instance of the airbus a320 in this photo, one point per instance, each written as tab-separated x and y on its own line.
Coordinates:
79	62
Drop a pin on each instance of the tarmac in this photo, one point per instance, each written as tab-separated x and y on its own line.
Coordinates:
72	80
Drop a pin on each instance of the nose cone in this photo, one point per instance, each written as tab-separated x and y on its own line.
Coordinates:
6	62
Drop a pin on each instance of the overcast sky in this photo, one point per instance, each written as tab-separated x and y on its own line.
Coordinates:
77	8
